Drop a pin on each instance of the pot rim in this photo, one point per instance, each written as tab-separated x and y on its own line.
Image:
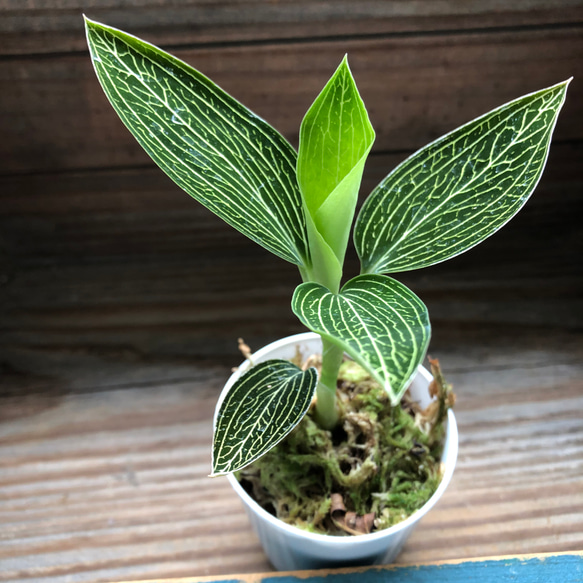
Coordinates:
450	462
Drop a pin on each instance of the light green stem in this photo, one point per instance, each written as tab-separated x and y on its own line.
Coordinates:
326	270
326	412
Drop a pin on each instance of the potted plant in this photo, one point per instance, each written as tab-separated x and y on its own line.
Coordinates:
444	199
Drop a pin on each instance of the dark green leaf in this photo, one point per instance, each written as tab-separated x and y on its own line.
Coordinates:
378	321
218	151
261	408
455	192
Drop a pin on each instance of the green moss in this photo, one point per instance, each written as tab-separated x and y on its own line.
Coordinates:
380	459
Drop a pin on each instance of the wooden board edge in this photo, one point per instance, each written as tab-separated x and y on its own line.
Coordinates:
300	575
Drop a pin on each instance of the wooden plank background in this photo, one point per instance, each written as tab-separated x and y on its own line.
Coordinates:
111	485
121	299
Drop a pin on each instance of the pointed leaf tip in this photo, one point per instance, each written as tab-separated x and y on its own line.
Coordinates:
378	321
260	410
213	147
457	191
335	138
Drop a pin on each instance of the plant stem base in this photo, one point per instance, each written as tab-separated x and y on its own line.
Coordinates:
378	466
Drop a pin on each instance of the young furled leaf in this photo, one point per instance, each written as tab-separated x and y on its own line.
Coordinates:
335	139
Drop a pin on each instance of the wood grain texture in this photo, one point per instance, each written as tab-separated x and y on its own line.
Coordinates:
55	116
37	27
111	485
121	299
110	276
136	212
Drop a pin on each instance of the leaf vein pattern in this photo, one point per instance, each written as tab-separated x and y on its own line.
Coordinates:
288	241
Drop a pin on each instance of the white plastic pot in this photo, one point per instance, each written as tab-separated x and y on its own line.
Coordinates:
290	548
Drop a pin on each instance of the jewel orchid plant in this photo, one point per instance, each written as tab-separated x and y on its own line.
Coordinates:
441	201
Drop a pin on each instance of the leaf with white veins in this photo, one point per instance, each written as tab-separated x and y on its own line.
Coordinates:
378	321
212	146
452	194
259	410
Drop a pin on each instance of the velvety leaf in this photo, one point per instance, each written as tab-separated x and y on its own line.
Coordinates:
261	408
218	151
378	321
335	139
455	192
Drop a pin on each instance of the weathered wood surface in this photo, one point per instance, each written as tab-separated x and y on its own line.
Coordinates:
55	116
116	274
111	485
121	298
36	26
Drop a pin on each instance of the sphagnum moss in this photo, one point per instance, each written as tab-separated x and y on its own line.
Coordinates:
382	462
